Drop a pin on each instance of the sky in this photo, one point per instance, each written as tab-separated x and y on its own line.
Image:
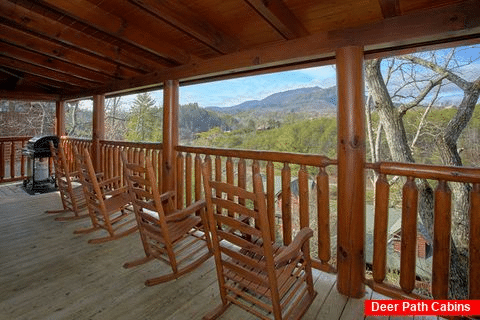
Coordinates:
227	93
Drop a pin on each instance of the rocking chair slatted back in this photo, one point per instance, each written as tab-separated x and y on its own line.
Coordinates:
71	195
254	272
170	235
108	202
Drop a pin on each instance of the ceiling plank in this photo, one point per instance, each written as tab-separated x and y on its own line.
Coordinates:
103	69
277	14
41	60
96	17
431	26
28	95
390	8
45	72
184	19
49	28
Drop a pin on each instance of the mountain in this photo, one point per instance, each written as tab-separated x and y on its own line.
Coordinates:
313	99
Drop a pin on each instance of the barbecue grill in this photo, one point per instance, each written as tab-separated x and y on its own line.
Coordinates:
37	152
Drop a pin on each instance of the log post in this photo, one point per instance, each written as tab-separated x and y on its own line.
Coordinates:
60	118
98	130
170	133
351	179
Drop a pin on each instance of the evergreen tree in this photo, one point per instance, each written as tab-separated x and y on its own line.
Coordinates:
145	122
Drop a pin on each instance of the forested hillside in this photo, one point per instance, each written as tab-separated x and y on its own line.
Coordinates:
319	135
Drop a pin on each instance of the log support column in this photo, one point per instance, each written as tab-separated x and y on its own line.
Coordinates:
170	133
351	178
60	118
98	130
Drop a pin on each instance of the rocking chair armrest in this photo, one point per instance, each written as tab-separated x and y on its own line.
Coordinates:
74	174
181	214
167	195
292	250
108	181
114	192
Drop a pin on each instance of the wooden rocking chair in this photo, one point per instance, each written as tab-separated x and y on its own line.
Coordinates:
107	202
169	235
71	195
254	273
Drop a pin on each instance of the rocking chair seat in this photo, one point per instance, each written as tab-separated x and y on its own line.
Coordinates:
171	235
254	273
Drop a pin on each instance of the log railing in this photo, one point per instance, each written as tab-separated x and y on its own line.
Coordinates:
69	143
279	169
237	166
441	228
12	162
111	164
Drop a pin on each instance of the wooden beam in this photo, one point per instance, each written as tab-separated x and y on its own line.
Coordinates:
98	129
54	64
50	28
279	16
96	17
170	133
66	53
430	27
28	95
390	8
184	19
45	72
60	118
351	172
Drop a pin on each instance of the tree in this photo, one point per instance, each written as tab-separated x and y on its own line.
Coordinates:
115	119
78	121
18	118
422	78
145	121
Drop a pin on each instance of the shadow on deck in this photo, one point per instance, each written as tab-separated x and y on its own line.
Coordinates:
47	272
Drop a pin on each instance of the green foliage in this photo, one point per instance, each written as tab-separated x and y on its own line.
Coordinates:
307	136
194	119
145	120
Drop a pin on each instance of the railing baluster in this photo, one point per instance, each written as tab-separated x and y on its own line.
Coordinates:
110	161
117	162
303	197
230	178
409	235
160	171
2	161
286	205
242	177
271	197
474	247
198	177
380	228
323	213
180	175
22	161
441	241
188	179
12	159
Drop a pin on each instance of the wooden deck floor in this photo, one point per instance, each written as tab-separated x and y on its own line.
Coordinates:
47	272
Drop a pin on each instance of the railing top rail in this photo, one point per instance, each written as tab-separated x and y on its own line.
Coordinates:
297	158
427	171
146	145
76	139
20	138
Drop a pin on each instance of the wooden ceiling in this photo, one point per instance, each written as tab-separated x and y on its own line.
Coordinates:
64	49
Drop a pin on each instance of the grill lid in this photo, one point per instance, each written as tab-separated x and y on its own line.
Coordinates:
39	147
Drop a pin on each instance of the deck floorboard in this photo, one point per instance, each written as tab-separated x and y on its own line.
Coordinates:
47	272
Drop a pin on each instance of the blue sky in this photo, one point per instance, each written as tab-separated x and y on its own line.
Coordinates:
231	92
